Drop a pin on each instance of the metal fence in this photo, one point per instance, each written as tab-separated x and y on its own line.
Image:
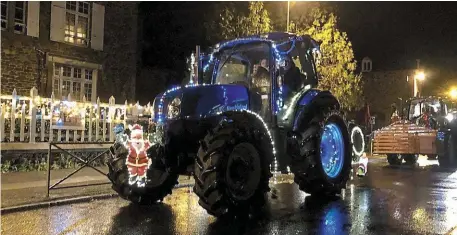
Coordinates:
85	163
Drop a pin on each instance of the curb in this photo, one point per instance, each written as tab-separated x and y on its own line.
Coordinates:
66	201
58	202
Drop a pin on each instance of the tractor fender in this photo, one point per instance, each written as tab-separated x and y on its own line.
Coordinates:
302	108
250	119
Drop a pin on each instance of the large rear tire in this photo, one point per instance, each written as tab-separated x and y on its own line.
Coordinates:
160	180
325	161
232	166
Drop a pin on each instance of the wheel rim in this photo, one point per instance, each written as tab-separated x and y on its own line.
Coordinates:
332	150
243	171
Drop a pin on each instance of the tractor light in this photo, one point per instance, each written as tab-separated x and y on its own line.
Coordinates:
450	117
174	108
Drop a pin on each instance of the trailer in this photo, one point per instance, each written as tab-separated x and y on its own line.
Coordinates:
424	129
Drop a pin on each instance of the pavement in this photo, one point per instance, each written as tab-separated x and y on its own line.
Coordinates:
29	188
419	199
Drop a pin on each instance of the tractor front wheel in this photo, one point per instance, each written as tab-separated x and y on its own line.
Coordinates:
158	183
232	168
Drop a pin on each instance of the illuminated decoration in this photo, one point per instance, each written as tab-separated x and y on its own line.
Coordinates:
363	165
355	130
191	68
275	163
67	115
137	161
211	58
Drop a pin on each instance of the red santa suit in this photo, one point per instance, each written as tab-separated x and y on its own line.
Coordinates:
137	161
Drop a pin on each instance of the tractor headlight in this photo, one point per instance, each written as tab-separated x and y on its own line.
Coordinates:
174	108
450	117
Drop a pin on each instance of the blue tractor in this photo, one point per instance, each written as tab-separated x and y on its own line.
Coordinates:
254	111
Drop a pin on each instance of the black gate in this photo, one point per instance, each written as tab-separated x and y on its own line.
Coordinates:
86	163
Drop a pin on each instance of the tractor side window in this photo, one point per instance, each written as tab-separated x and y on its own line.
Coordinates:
296	68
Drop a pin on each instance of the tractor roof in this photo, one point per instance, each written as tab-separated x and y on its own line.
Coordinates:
274	37
428	99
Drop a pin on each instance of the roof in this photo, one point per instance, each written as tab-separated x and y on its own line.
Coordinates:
268	37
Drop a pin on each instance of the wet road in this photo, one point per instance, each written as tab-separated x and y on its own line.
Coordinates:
419	199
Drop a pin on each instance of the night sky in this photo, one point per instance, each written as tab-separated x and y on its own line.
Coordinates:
392	34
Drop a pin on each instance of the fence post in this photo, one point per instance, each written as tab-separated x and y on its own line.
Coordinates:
112	117
91	114
51	110
97	120
84	119
13	115
67	131
21	132
2	123
33	110
43	123
135	111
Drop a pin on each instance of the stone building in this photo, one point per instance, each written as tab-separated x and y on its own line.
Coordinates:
382	88
87	48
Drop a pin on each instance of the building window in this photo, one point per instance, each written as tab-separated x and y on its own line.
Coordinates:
77	80
4	14
366	65
77	22
19	17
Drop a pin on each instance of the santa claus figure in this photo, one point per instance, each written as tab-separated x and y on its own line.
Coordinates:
137	160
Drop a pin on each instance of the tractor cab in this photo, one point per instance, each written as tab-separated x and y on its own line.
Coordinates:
272	67
426	111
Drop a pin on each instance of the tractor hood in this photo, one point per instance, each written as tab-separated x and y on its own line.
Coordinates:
197	101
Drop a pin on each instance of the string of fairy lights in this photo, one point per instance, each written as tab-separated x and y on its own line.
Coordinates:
85	111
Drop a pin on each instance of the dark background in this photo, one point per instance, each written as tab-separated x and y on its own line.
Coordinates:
392	34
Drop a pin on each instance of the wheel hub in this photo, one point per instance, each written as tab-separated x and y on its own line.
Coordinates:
332	150
243	171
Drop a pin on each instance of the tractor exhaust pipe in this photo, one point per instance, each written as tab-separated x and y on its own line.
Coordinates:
198	62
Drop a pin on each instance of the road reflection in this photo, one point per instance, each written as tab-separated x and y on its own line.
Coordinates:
403	200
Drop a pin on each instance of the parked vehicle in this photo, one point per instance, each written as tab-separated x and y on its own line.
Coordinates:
254	111
426	128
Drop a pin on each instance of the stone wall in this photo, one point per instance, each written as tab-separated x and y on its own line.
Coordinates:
20	63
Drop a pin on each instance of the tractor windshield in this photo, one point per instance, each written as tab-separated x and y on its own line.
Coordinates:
421	107
245	64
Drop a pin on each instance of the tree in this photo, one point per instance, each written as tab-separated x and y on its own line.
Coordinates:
233	22
336	66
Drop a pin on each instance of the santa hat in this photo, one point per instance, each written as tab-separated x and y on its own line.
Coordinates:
136	132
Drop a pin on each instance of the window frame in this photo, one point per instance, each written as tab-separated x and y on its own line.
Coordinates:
24	18
6	16
78	14
72	79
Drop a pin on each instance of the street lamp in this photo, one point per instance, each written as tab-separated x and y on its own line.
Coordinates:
453	93
288	13
419	76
